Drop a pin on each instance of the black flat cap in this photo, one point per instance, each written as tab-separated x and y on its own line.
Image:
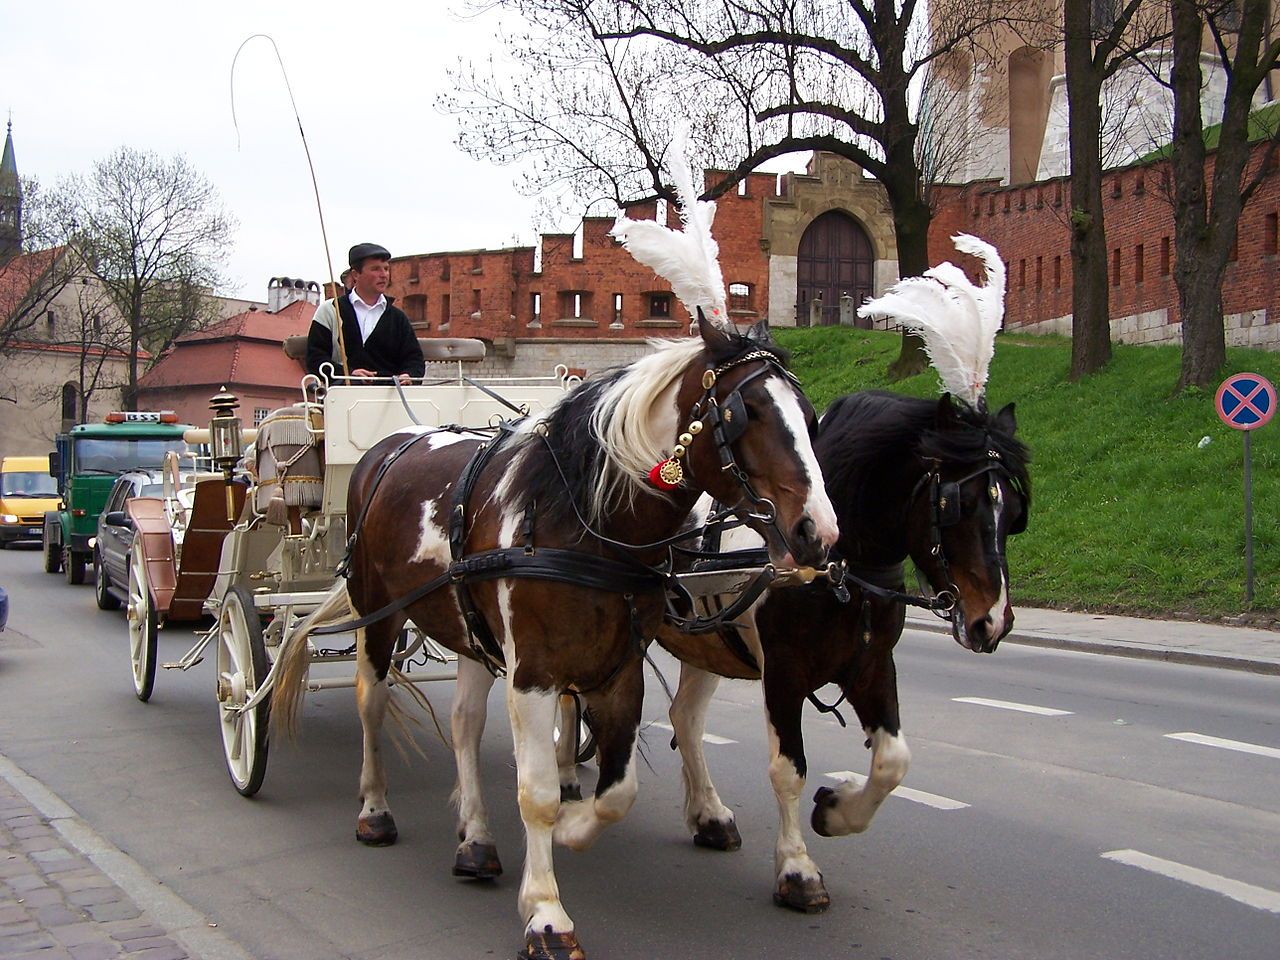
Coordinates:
364	251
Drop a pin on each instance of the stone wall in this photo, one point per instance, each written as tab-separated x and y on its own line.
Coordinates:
539	356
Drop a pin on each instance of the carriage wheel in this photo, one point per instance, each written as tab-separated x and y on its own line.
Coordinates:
585	740
242	666
143	627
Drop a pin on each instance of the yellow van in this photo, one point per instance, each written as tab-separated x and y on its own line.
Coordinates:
26	492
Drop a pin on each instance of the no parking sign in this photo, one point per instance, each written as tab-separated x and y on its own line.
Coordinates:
1246	402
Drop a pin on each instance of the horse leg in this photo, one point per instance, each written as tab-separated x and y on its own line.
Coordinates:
849	808
477	856
799	883
374	645
567	750
712	823
549	931
615	715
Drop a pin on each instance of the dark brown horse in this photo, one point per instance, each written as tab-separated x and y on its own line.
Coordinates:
935	481
571	488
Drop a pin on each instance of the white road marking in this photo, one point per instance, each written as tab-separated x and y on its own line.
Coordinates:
1010	705
906	793
706	737
1238	745
1246	893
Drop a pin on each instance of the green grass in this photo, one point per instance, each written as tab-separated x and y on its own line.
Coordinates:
1129	514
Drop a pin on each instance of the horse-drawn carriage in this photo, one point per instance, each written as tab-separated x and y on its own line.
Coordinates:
257	548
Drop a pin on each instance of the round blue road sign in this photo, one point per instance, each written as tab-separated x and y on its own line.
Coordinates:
1246	401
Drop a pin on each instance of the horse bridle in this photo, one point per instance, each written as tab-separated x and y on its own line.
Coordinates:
944	511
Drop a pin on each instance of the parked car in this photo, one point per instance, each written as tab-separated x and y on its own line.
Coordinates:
112	545
27	492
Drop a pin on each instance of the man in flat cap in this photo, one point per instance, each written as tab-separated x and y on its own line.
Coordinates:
378	337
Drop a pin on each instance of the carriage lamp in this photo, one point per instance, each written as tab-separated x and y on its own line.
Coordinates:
226	442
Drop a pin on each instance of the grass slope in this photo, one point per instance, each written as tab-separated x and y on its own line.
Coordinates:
1129	514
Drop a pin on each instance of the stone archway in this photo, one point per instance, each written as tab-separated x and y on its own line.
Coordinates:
835	258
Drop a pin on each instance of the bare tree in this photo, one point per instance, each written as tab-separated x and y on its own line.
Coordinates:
1100	37
1205	225
155	237
594	89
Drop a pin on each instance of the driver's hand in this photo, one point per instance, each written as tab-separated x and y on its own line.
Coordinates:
405	379
364	374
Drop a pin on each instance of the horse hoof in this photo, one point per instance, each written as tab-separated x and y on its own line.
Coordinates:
823	801
551	946
717	835
377	831
806	894
570	792
477	861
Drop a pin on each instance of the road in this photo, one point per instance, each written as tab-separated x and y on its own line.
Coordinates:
1068	825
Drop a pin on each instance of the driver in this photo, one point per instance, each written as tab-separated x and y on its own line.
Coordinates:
378	337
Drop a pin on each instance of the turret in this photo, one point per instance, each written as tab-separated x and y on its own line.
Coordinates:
10	202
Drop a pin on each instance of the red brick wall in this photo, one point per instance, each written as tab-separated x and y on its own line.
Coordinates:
499	284
1028	224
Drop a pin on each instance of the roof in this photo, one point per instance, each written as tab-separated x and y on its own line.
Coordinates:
19	275
246	349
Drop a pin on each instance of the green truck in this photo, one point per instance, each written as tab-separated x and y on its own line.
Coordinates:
86	463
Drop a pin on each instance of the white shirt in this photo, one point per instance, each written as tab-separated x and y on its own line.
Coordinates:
367	315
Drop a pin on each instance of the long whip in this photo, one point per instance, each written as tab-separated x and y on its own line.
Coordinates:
333	285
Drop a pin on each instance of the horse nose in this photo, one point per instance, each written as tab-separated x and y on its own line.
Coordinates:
807	546
983	633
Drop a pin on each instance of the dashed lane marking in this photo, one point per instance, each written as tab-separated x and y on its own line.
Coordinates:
1237	745
906	793
706	737
1258	897
1010	705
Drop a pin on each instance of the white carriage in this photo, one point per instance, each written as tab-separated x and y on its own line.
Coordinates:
279	559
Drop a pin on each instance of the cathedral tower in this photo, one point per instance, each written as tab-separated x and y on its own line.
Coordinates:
10	202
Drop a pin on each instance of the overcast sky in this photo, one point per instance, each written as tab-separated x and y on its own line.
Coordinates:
81	79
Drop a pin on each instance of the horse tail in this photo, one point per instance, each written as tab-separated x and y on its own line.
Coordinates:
295	659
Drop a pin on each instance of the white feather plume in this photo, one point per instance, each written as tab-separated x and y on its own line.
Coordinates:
957	320
688	259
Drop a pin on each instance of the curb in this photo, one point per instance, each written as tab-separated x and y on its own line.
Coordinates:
184	923
1118	648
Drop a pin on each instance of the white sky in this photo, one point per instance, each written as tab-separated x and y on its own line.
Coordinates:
82	79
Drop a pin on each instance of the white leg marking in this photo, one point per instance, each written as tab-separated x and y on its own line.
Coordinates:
906	793
580	823
470	708
1258	897
702	803
790	856
818	506
372	695
855	806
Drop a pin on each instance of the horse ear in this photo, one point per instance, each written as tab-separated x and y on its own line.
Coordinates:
712	336
1006	421
946	410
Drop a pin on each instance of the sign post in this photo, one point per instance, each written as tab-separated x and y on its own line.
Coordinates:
1246	402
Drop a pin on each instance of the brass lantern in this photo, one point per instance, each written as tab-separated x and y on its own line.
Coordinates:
226	442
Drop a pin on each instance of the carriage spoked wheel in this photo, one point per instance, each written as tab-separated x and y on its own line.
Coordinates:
572	718
143	626
242	666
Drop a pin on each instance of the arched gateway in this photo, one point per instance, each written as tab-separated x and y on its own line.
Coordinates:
835	258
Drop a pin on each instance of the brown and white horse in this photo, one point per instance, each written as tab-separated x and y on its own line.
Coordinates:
935	481
575	480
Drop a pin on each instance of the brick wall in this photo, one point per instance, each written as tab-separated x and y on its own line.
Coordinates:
1028	224
490	294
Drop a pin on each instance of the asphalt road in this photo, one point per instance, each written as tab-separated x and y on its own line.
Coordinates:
1081	830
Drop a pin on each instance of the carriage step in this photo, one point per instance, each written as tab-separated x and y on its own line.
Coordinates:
179	665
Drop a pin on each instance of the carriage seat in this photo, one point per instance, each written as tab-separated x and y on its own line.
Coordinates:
434	349
288	465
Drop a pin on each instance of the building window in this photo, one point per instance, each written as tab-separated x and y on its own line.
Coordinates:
413	270
1006	203
1039	272
536	310
1139	267
475	300
617	309
446	313
1269	241
742	187
1164	256
660	306
1022	274
1115	267
51	319
260	414
575	305
1139	186
739	297
97	322
1057	194
1057	273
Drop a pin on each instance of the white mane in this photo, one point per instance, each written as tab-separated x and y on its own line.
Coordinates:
957	320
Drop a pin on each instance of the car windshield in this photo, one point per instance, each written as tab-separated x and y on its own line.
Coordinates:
28	485
118	455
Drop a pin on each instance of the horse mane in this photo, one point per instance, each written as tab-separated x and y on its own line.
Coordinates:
865	438
607	433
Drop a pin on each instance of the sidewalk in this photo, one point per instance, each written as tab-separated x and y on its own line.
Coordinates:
1177	641
68	894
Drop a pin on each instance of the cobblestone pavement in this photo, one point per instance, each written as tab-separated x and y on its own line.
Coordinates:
55	904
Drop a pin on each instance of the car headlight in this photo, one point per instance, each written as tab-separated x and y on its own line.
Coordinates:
8	518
